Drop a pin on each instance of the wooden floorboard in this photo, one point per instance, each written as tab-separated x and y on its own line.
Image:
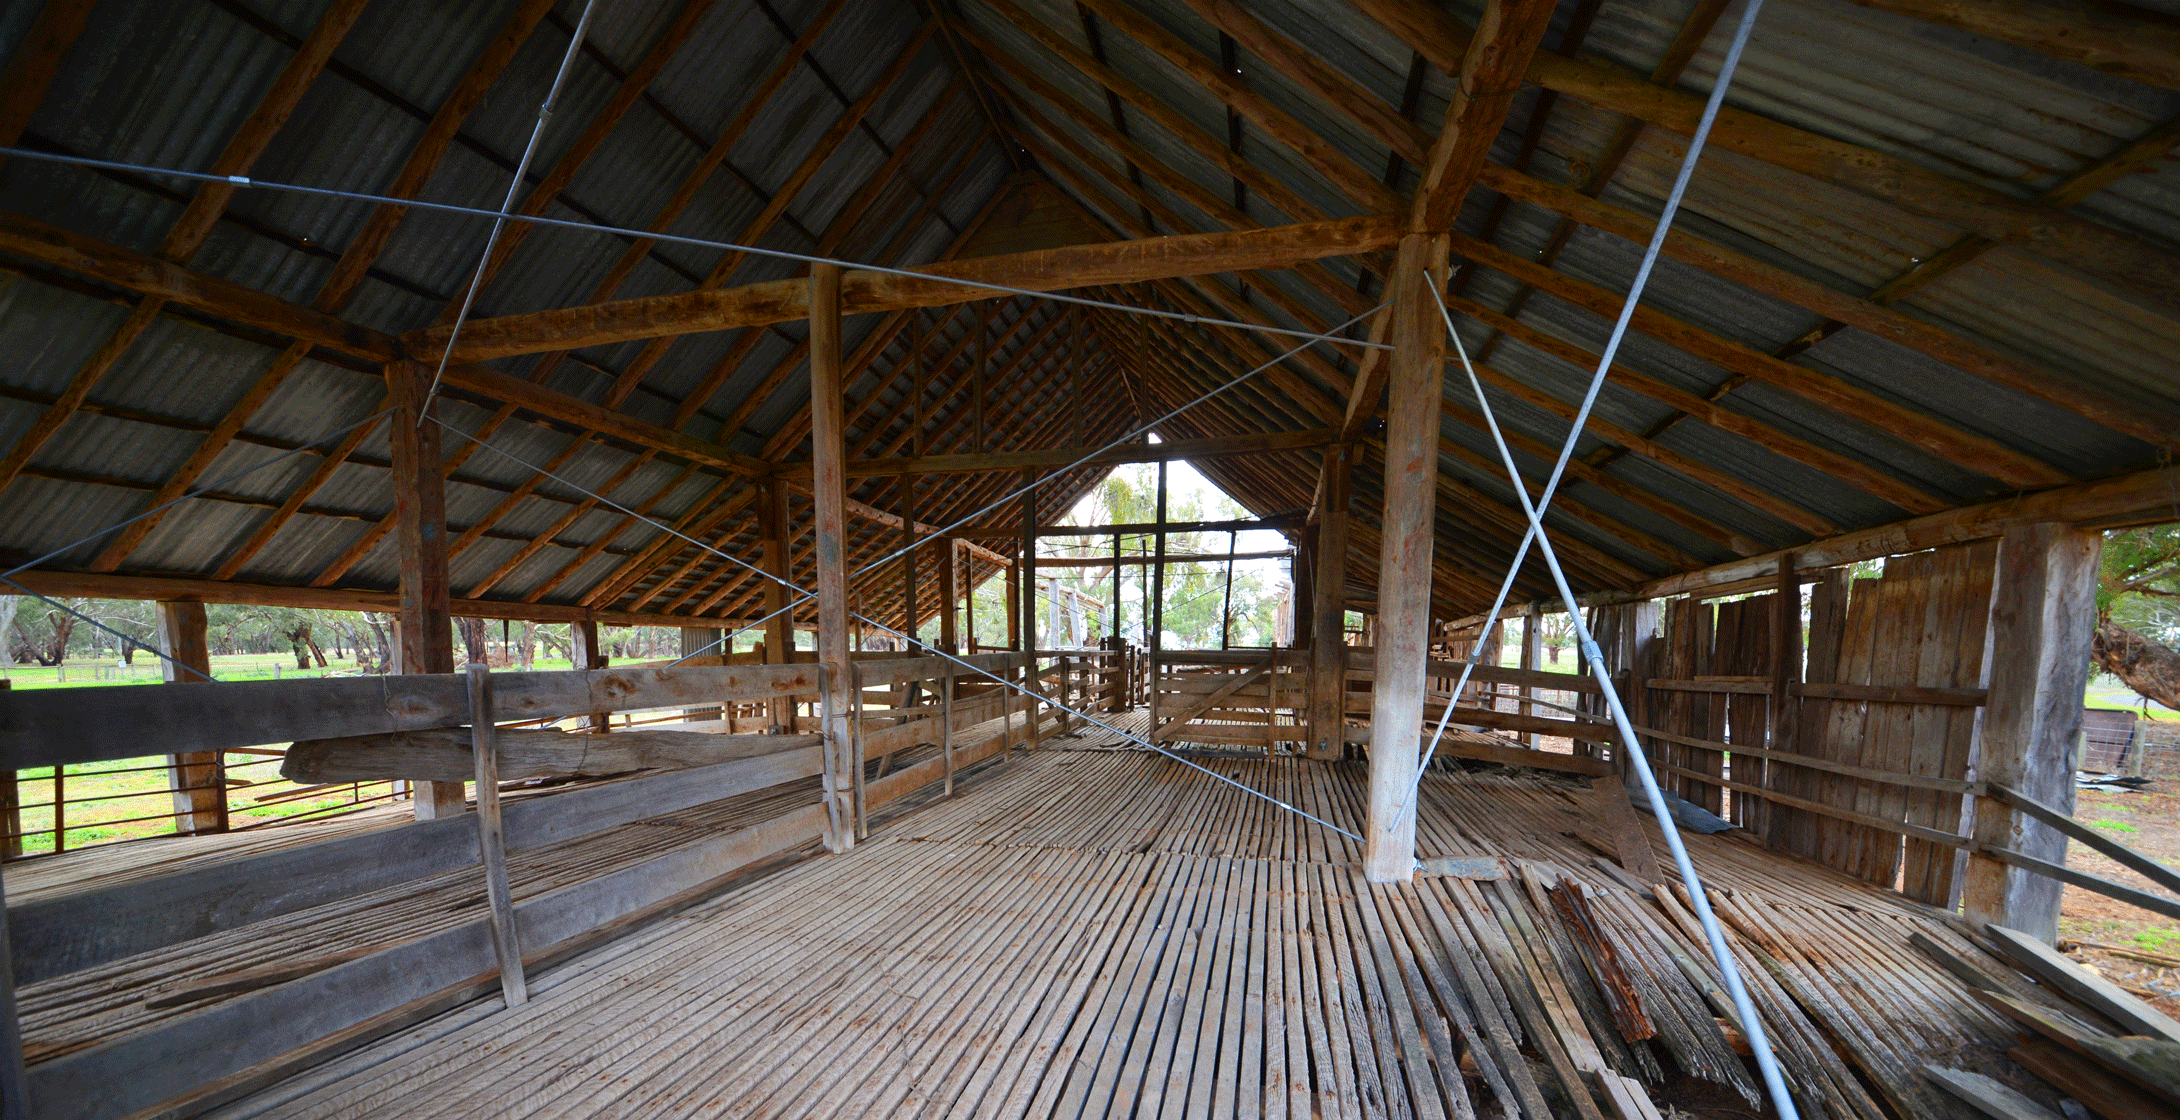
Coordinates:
1090	931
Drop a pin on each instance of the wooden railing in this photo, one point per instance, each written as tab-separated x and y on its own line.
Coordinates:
1583	728
230	1046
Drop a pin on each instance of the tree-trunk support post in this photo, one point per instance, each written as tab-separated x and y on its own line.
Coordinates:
778	563
198	780
1328	614
1532	645
420	528
1157	612
1026	613
587	651
1414	387
950	597
697	641
2043	611
828	486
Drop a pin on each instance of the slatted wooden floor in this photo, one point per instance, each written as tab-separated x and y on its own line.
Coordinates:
1098	933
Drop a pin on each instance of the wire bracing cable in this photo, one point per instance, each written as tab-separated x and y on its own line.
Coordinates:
695	242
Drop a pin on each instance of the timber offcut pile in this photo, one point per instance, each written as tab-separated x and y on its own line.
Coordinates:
2086	1037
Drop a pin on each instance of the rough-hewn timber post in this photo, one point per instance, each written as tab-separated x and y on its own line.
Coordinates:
1012	601
968	604
911	617
420	528
1156	618
586	651
1328	618
1532	644
1414	386
780	627
2043	609
950	596
1027	613
1118	680
198	780
697	641
828	485
11	806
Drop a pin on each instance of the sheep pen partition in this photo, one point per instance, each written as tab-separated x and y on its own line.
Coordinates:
223	1047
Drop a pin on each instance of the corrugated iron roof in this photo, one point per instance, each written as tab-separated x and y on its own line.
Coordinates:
168	84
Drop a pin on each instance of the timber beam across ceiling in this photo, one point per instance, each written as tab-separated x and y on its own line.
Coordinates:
2052	233
2141	498
867	290
1136	528
1718	534
1936	342
1974	452
1314	274
149	275
1854	311
2102	38
1253	444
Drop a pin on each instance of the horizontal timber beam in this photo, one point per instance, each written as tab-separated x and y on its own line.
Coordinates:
1253	444
2142	498
149	275
867	290
100	585
1140	528
1169	558
2097	249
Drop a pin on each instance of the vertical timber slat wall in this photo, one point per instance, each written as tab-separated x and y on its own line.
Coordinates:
1885	691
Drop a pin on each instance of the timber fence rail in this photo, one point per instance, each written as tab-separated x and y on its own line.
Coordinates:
222	1049
1748	770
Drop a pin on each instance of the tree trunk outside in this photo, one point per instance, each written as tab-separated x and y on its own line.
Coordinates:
2147	665
473	639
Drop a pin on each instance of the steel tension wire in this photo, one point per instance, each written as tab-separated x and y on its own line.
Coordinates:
97	625
662	526
1651	252
675	239
728	638
1728	966
514	187
1714	935
1120	441
7	577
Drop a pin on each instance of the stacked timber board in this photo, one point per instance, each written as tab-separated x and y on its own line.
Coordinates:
1095	932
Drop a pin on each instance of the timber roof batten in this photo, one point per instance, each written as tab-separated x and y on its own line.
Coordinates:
1924	279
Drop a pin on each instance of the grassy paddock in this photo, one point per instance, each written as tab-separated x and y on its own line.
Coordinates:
103	798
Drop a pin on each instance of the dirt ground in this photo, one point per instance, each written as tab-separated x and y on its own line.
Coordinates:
2149	822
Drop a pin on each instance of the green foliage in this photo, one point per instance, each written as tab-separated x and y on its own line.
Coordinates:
1194	593
2139	585
2116	826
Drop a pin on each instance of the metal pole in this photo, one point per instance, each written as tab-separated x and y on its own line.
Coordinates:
1728	967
